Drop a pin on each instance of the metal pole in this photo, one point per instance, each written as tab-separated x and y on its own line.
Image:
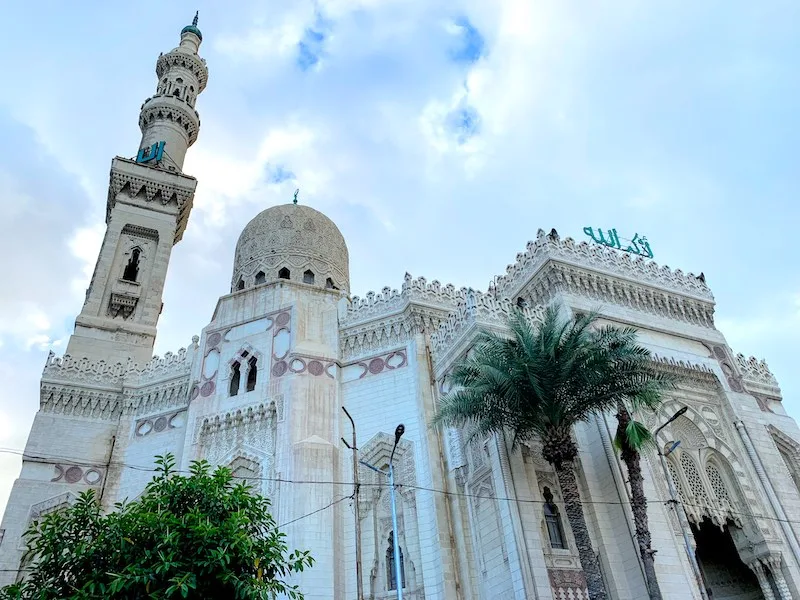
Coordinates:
354	448
684	525
682	520
395	534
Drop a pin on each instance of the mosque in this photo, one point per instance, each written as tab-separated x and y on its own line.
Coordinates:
261	390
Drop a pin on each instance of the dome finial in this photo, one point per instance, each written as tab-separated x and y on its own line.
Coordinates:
297	191
196	15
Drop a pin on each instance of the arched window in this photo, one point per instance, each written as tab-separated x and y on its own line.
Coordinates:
240	285
261	277
553	521
391	577
308	276
284	273
132	268
252	373
236	376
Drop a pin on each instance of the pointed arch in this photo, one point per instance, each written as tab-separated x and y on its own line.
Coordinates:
131	271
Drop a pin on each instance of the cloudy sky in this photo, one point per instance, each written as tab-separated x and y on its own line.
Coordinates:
438	134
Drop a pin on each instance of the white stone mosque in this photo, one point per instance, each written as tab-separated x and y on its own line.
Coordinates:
261	390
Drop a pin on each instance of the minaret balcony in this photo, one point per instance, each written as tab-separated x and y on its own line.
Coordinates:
160	108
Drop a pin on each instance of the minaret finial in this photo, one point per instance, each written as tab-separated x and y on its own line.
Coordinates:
196	15
297	191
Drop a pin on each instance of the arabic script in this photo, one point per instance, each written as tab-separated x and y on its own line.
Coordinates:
638	245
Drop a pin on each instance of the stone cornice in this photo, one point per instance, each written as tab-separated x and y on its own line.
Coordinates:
756	376
698	373
173	109
390	331
553	277
164	186
388	301
392	317
593	257
479	311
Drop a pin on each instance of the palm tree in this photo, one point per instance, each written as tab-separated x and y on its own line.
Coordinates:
540	382
631	438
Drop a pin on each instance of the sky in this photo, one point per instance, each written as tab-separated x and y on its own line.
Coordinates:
438	134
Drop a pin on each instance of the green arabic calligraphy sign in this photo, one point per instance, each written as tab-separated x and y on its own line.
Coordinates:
638	245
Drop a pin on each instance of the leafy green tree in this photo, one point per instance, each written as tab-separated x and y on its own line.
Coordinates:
199	536
540	381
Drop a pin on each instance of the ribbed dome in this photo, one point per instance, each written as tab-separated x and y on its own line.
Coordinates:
291	241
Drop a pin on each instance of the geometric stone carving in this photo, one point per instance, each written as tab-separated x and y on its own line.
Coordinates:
122	304
159	423
75	474
568	584
291	237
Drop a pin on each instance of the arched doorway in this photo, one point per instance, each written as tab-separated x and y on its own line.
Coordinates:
726	576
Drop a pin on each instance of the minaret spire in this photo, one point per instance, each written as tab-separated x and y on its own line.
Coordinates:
168	119
149	201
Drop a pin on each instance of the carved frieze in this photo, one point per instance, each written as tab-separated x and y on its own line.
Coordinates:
596	258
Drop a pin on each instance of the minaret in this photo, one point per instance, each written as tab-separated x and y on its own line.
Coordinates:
149	200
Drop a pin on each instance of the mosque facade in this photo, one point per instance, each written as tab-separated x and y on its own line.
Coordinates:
261	390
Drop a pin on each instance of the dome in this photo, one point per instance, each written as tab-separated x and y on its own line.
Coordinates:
291	241
192	29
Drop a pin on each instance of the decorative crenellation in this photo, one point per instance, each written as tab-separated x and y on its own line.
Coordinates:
756	371
82	370
95	389
392	331
233	420
552	247
555	278
390	301
479	309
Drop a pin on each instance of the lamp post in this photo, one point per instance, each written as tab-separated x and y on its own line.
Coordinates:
357	485
398	432
674	501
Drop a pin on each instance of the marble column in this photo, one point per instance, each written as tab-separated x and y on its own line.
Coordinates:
774	564
763	580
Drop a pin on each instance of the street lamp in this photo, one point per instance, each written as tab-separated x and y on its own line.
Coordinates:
398	432
674	501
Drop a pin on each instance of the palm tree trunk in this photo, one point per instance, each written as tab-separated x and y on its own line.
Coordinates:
577	521
632	460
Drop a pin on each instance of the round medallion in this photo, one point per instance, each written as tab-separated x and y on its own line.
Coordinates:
92	476
279	368
73	474
144	428
315	368
207	389
282	319
161	424
194	393
213	340
376	365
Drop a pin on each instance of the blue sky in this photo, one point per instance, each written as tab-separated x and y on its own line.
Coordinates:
438	135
